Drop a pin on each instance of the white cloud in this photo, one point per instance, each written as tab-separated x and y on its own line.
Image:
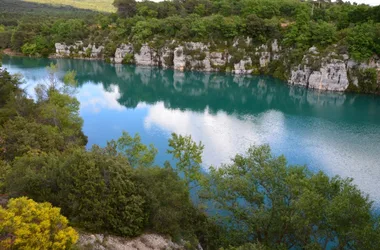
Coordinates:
223	135
94	98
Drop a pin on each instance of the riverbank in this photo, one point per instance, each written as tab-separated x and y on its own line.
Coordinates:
319	70
10	52
329	70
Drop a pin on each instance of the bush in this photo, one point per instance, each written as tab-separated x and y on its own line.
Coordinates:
367	80
94	189
128	58
266	200
29	49
26	224
5	39
167	200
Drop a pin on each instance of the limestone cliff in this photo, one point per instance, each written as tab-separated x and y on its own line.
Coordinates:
331	71
78	50
322	71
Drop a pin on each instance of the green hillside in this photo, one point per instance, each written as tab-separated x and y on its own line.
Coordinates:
97	5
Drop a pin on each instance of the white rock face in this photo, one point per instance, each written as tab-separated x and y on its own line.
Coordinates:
167	57
179	59
264	59
332	76
63	50
275	47
275	50
147	56
334	73
185	56
218	58
243	67
95	51
121	51
300	76
262	52
144	242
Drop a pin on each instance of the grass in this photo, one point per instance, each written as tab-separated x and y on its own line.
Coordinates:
31	11
95	5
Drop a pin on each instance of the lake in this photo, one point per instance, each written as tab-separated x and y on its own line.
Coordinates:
334	132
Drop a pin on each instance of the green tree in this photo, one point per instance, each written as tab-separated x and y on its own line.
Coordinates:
5	169
51	123
363	41
9	86
29	49
255	27
137	153
188	155
95	189
125	8
367	80
21	135
323	33
167	201
266	200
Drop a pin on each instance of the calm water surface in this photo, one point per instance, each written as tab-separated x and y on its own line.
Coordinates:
334	132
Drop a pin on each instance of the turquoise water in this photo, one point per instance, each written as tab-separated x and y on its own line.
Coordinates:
334	132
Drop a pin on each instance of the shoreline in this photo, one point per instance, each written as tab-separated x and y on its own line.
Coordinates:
11	53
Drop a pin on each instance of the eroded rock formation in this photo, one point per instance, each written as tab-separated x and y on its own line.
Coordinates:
331	71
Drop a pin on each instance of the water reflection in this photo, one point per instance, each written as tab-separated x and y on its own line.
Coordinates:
335	132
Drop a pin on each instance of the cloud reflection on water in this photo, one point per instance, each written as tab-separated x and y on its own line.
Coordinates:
334	132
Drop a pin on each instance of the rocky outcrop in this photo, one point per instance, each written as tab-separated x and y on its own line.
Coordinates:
182	56
147	56
122	51
331	71
354	68
144	242
78	50
321	72
244	66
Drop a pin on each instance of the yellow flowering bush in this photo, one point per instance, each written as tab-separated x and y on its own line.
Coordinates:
29	225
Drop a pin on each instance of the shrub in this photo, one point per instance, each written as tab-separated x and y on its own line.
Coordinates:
94	189
367	80
128	58
26	224
29	49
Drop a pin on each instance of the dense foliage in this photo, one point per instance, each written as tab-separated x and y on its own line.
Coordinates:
280	205
297	24
258	201
26	224
115	189
51	123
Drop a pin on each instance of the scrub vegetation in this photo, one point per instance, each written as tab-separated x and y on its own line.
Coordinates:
33	27
258	201
299	25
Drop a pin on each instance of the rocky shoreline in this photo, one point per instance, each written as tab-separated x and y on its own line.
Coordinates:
330	71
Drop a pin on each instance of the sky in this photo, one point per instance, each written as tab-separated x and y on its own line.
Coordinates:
370	2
